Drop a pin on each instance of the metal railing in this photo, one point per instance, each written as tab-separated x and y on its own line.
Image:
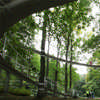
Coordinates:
24	69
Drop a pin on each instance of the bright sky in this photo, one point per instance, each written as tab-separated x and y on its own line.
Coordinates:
86	56
83	57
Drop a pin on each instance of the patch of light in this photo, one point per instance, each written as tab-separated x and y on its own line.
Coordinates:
81	69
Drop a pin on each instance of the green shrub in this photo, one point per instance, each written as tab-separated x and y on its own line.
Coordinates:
97	92
20	91
17	91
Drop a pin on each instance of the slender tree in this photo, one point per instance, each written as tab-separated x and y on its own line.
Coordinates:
66	65
41	91
47	71
71	65
56	71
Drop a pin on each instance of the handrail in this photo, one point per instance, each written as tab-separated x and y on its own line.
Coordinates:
7	67
55	58
60	59
17	52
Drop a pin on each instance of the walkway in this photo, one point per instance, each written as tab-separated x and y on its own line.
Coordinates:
33	98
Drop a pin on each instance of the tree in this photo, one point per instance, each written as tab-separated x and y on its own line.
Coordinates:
93	80
42	68
71	65
72	21
17	55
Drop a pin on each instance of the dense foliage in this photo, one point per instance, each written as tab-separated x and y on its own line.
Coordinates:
64	25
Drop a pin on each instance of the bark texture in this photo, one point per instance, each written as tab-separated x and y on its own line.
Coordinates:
41	91
66	65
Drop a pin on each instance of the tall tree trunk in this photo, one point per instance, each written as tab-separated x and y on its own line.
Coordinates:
71	66
49	40
47	71
41	91
66	65
56	71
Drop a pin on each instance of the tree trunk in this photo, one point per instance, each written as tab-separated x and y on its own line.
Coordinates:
71	66
66	65
47	71
56	71
41	91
